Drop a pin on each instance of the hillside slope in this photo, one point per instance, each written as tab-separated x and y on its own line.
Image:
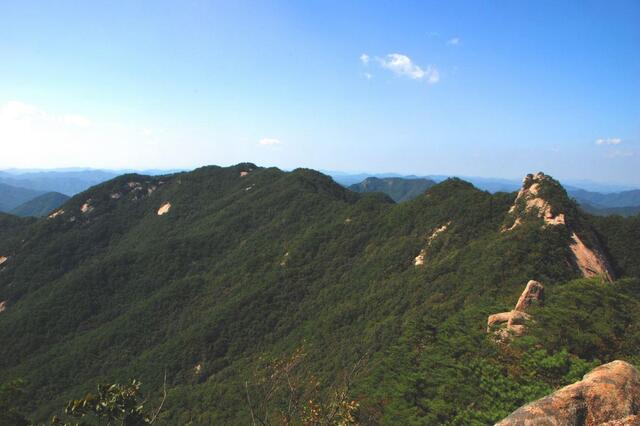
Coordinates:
206	274
13	196
40	205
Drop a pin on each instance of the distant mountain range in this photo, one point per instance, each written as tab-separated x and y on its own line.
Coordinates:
12	196
65	181
399	189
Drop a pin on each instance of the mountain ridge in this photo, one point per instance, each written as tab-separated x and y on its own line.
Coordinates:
251	262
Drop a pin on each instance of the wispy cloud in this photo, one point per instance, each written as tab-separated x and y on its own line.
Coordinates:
455	41
608	141
402	65
364	58
269	142
368	76
19	112
618	153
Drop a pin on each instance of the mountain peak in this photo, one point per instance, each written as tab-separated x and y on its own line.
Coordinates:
542	197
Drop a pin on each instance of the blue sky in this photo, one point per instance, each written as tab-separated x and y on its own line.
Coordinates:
486	88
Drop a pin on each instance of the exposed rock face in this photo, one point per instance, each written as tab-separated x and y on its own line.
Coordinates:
592	263
627	421
56	213
530	201
164	208
86	207
419	259
533	292
529	196
608	395
513	322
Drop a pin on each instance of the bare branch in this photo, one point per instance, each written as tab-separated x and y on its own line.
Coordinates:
164	397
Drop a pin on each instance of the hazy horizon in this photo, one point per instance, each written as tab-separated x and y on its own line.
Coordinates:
586	184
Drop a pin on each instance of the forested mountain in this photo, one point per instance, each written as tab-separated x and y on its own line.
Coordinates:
40	205
279	295
399	189
12	196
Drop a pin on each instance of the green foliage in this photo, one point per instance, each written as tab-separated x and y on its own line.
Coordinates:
243	266
621	237
113	403
12	395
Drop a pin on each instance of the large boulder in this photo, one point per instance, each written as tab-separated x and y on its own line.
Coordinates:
608	395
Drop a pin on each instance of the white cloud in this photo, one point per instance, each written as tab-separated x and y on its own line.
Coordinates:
146	132
364	58
608	141
403	65
453	41
269	142
368	76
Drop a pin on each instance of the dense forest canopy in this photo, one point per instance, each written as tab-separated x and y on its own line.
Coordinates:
246	272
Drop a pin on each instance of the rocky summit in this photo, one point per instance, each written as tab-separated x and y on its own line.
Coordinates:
543	198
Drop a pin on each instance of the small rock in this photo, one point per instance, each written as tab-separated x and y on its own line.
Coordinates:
86	207
56	213
164	208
